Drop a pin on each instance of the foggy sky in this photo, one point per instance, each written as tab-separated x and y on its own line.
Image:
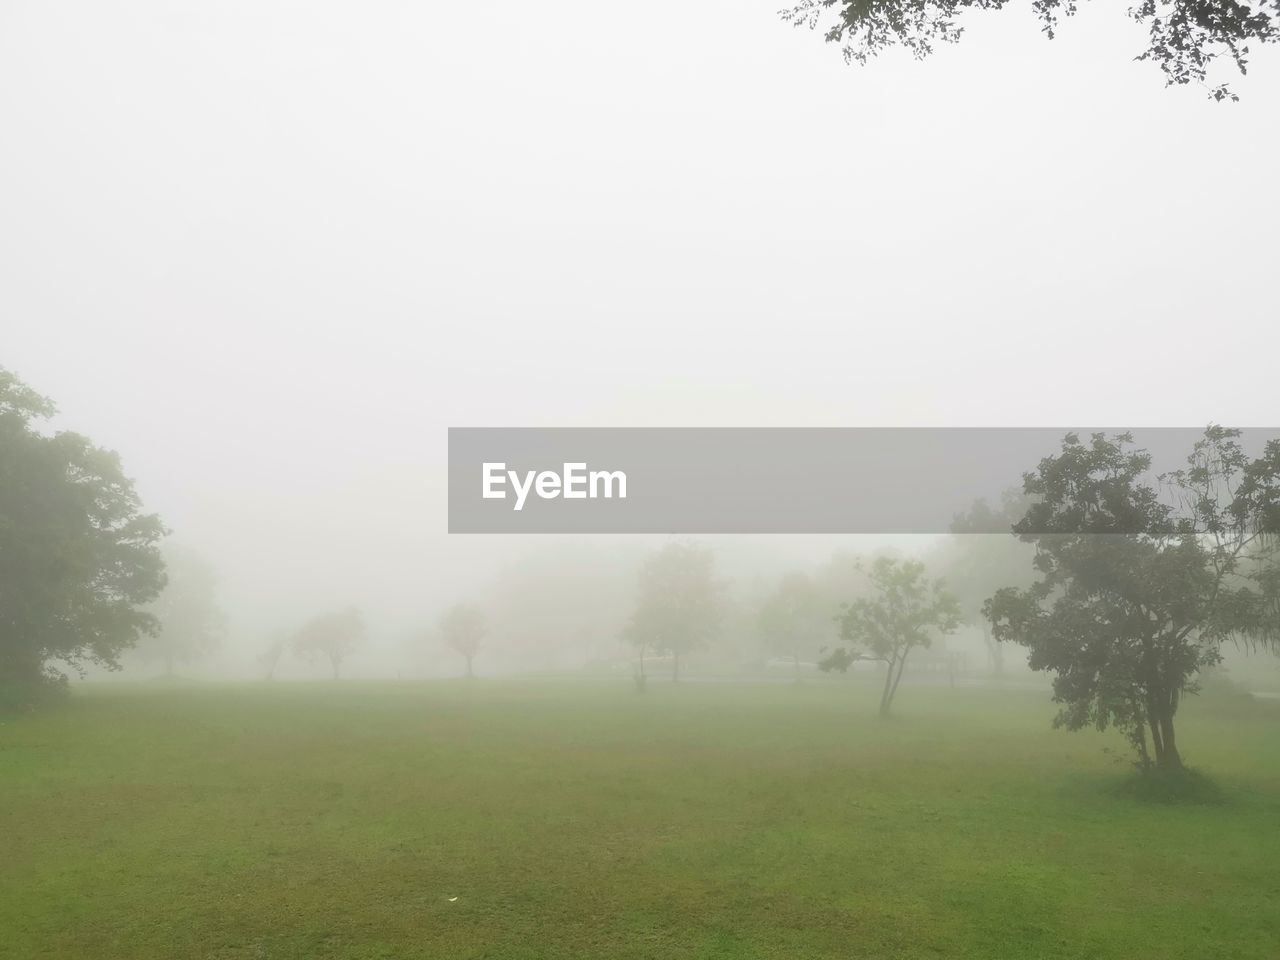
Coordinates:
269	251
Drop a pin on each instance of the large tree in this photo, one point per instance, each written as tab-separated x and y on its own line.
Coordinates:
1185	37
907	610
462	628
679	606
1137	592
78	558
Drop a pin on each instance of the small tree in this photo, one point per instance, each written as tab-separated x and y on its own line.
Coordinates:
678	608
905	612
190	623
795	618
270	657
1137	593
334	635
641	632
462	628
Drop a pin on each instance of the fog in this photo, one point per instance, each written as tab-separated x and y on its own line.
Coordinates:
295	262
311	237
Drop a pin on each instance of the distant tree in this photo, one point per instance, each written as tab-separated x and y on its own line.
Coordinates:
334	635
77	559
1185	37
906	611
189	620
555	607
982	555
1137	593
270	657
462	628
640	634
678	608
795	619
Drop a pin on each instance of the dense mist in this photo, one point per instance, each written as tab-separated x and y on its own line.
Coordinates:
267	692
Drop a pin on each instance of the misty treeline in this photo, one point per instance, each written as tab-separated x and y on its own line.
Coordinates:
1125	589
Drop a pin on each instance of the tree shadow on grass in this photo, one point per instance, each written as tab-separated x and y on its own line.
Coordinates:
1184	786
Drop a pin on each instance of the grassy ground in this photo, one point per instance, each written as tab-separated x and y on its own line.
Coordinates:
577	819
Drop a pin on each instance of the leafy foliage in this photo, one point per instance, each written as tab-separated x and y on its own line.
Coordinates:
77	557
679	606
795	618
334	636
982	555
1185	37
1137	593
189	621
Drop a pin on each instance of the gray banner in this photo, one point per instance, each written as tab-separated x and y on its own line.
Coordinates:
754	480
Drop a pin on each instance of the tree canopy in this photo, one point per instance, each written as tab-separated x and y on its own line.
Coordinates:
1184	37
679	606
189	622
1138	591
907	611
78	558
981	556
333	635
796	619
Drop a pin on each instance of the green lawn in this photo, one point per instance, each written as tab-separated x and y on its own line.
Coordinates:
577	819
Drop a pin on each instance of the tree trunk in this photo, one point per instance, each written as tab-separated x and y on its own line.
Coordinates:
1160	711
886	694
169	663
1171	760
893	691
1153	720
334	661
470	674
675	667
1140	742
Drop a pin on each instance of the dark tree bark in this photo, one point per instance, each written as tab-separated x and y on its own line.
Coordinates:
1172	759
1161	707
892	677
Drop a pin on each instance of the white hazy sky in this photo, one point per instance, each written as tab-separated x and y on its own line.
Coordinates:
270	250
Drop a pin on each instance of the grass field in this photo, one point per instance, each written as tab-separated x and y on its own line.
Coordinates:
532	819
